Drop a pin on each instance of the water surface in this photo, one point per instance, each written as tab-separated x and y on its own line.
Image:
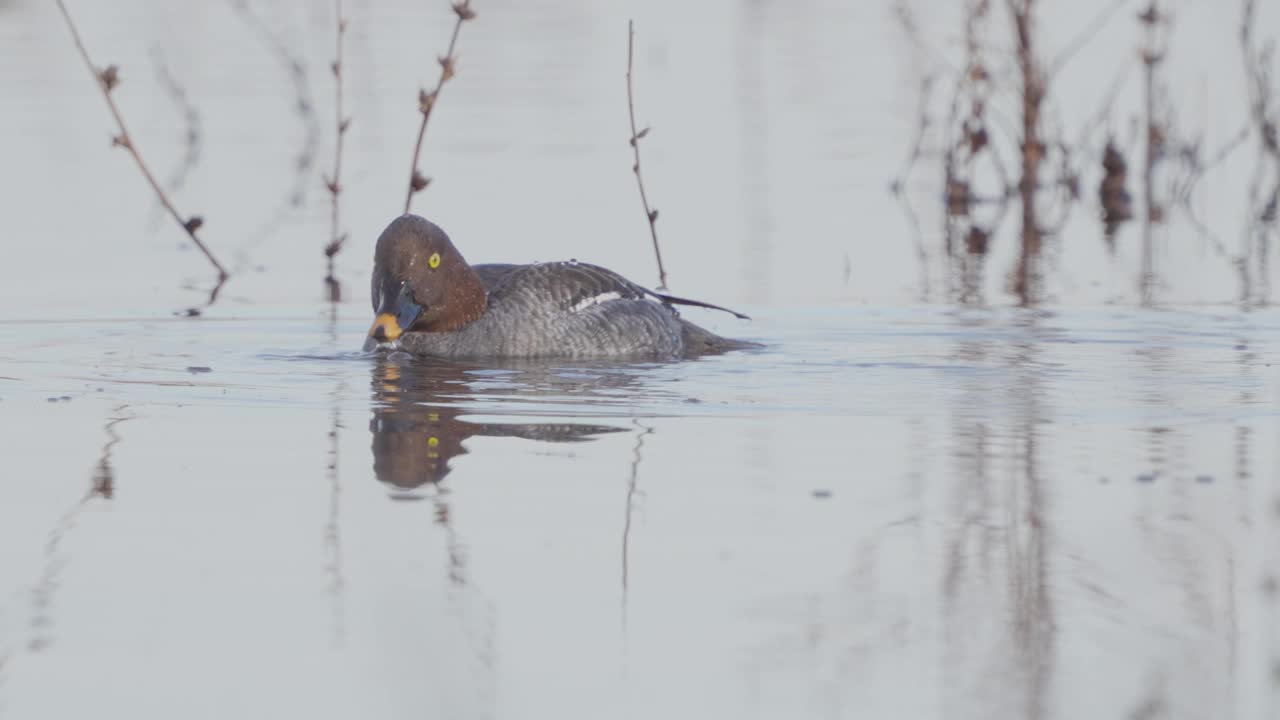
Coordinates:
895	508
921	513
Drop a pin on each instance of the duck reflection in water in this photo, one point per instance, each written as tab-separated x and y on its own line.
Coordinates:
416	425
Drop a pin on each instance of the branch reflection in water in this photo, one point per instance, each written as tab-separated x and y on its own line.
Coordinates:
102	486
999	555
418	434
636	457
333	564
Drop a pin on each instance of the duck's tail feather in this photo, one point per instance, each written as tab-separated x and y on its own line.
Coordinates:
699	341
673	300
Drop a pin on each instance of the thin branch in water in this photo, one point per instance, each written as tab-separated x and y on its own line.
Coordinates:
1264	197
1085	36
107	79
295	65
191	117
334	183
898	186
917	235
1026	277
1183	191
968	139
1238	263
907	21
427	100
1104	113
636	135
1153	52
1066	184
923	123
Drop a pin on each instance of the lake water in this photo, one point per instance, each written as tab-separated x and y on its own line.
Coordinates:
897	507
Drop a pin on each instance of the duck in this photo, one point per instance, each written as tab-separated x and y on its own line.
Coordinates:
429	301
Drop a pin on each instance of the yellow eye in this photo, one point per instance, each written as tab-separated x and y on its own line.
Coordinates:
434	260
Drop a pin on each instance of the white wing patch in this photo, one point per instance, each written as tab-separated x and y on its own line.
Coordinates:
595	300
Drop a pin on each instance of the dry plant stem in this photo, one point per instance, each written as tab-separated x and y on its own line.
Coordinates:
1105	108
1260	92
1227	149
1033	93
969	138
334	183
190	114
917	145
897	187
294	64
651	214
1086	35
1264	202
107	80
907	21
427	101
1151	57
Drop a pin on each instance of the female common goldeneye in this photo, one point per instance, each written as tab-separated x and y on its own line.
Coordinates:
429	301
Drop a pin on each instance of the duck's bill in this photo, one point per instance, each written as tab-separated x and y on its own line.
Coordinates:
385	331
385	328
396	314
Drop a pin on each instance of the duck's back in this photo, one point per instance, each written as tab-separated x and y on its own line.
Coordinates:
570	310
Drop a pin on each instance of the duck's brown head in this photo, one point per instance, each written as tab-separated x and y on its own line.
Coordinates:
421	282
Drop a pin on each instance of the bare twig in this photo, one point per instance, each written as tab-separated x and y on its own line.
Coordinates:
1238	262
968	138
907	21
190	114
1197	168
1264	197
1034	89
923	123
1085	36
427	100
295	64
302	102
898	186
1156	136
107	80
334	182
917	236
1259	86
1105	108
1066	183
636	135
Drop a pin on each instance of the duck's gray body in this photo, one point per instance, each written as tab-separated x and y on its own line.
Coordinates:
568	310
